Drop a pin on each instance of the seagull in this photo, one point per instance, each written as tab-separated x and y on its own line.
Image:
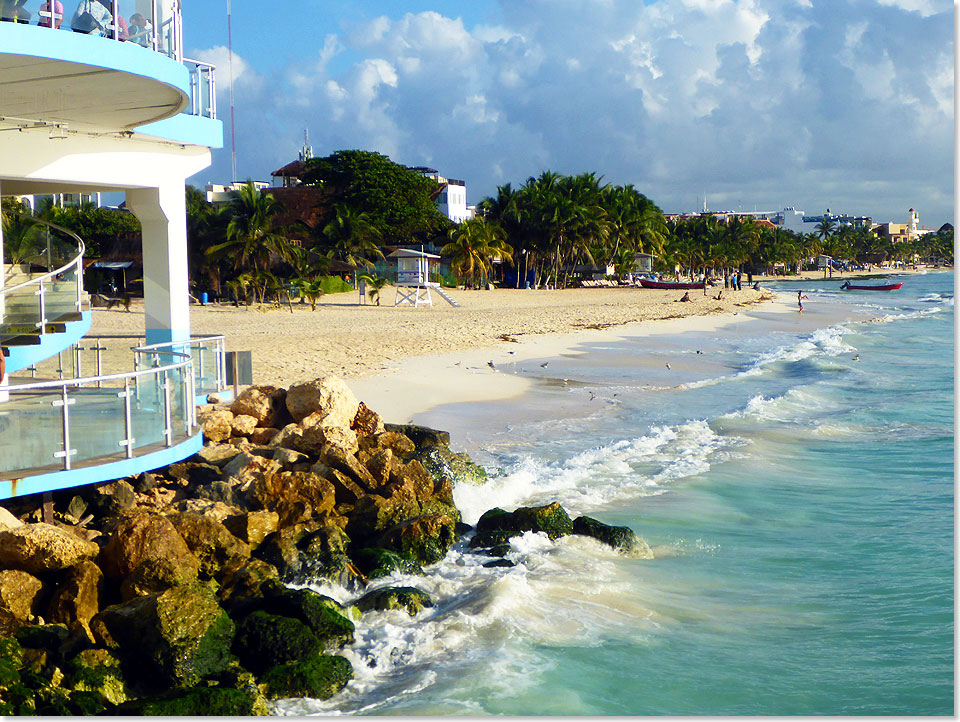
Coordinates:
668	366
544	364
856	357
490	364
699	351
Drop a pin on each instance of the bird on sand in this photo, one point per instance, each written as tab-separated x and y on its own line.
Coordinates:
490	364
544	364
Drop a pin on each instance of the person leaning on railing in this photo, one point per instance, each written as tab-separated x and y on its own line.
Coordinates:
48	18
91	17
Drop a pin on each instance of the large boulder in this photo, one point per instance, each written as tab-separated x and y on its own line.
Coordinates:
156	575
253	527
196	702
265	640
621	538
8	520
318	675
243	425
410	599
327	433
323	554
194	473
374	514
265	404
375	563
41	548
294	495
367	422
77	599
459	468
246	467
550	519
144	536
328	395
172	639
18	592
112	498
215	424
325	617
425	539
210	541
241	590
421	436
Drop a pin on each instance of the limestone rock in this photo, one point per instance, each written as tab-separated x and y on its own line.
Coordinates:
153	576
253	527
266	404
216	510
210	542
216	424
263	435
173	639
374	514
367	422
18	592
336	458
241	590
216	454
398	443
243	425
288	457
459	468
77	599
294	495
345	488
425	538
410	599
323	554
380	465
8	520
421	435
549	518
197	702
111	499
194	473
320	436
621	538
98	671
217	491
328	395
246	467
144	536
40	548
325	617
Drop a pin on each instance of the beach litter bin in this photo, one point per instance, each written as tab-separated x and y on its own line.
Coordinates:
204	298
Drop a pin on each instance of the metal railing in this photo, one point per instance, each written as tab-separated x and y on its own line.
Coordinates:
153	24
30	306
58	425
207	353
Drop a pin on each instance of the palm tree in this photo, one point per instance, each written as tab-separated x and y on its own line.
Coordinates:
473	246
375	282
352	237
253	239
310	288
826	228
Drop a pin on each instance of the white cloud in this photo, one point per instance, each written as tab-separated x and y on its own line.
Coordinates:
766	101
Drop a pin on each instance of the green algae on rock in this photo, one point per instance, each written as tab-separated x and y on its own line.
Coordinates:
318	675
410	599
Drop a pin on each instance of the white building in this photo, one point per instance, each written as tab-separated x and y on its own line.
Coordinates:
452	200
219	194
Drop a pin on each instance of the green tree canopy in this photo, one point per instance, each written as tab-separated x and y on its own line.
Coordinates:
397	200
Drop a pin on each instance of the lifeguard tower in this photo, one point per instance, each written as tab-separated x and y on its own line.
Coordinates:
413	278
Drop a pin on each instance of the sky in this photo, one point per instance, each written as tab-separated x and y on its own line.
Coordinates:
844	105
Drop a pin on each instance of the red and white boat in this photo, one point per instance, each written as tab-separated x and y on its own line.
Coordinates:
847	286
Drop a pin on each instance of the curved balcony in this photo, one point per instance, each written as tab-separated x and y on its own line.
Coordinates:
110	65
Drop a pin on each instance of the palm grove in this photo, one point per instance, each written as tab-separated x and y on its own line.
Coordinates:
544	229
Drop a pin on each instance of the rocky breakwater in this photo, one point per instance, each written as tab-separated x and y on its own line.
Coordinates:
173	592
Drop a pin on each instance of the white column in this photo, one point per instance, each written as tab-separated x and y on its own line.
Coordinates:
163	216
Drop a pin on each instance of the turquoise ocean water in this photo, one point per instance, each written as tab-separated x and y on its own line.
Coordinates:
794	476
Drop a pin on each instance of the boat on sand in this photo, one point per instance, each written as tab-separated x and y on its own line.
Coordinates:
847	286
670	285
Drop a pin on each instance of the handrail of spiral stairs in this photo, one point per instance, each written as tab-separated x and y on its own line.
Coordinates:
36	323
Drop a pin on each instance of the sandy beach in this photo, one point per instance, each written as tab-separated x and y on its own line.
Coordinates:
404	360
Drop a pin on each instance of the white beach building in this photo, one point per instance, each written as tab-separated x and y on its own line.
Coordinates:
109	107
452	200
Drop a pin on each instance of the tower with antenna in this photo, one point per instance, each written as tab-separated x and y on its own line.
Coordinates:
306	152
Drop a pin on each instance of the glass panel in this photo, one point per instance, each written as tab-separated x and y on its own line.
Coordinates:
147	408
30	432
20	311
61	294
179	398
96	423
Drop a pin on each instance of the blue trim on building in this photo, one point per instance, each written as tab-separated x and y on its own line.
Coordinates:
51	344
186	128
166	335
63	44
104	472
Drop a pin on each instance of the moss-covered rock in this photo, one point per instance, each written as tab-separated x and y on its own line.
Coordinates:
425	539
410	599
494	542
264	640
97	671
42	636
621	538
11	661
376	563
86	704
196	702
323	554
422	436
550	519
440	462
52	701
325	617
319	676
171	639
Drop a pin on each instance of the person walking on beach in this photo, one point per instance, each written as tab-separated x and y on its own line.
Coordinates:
800	298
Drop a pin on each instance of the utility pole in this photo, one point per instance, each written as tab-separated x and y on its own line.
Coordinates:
233	130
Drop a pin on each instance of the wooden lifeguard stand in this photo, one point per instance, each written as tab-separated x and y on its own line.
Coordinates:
413	278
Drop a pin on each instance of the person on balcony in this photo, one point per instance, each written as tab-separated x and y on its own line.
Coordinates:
91	17
139	29
12	11
51	18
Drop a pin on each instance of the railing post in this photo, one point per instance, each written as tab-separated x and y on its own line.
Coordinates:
66	452
221	366
191	400
42	292
200	361
167	411
99	349
127	418
116	20
212	93
154	41
49	252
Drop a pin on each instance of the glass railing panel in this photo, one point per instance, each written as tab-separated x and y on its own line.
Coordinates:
205	363
179	403
96	423
20	311
147	411
31	430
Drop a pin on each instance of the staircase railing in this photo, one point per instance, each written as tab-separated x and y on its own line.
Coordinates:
30	306
61	425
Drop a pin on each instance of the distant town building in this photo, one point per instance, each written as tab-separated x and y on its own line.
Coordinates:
220	194
452	200
900	232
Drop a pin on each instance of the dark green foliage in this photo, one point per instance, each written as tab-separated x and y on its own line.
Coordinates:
86	703
319	676
376	563
397	200
411	599
11	661
264	640
619	537
199	701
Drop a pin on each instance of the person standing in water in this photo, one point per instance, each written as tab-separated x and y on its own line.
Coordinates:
800	298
